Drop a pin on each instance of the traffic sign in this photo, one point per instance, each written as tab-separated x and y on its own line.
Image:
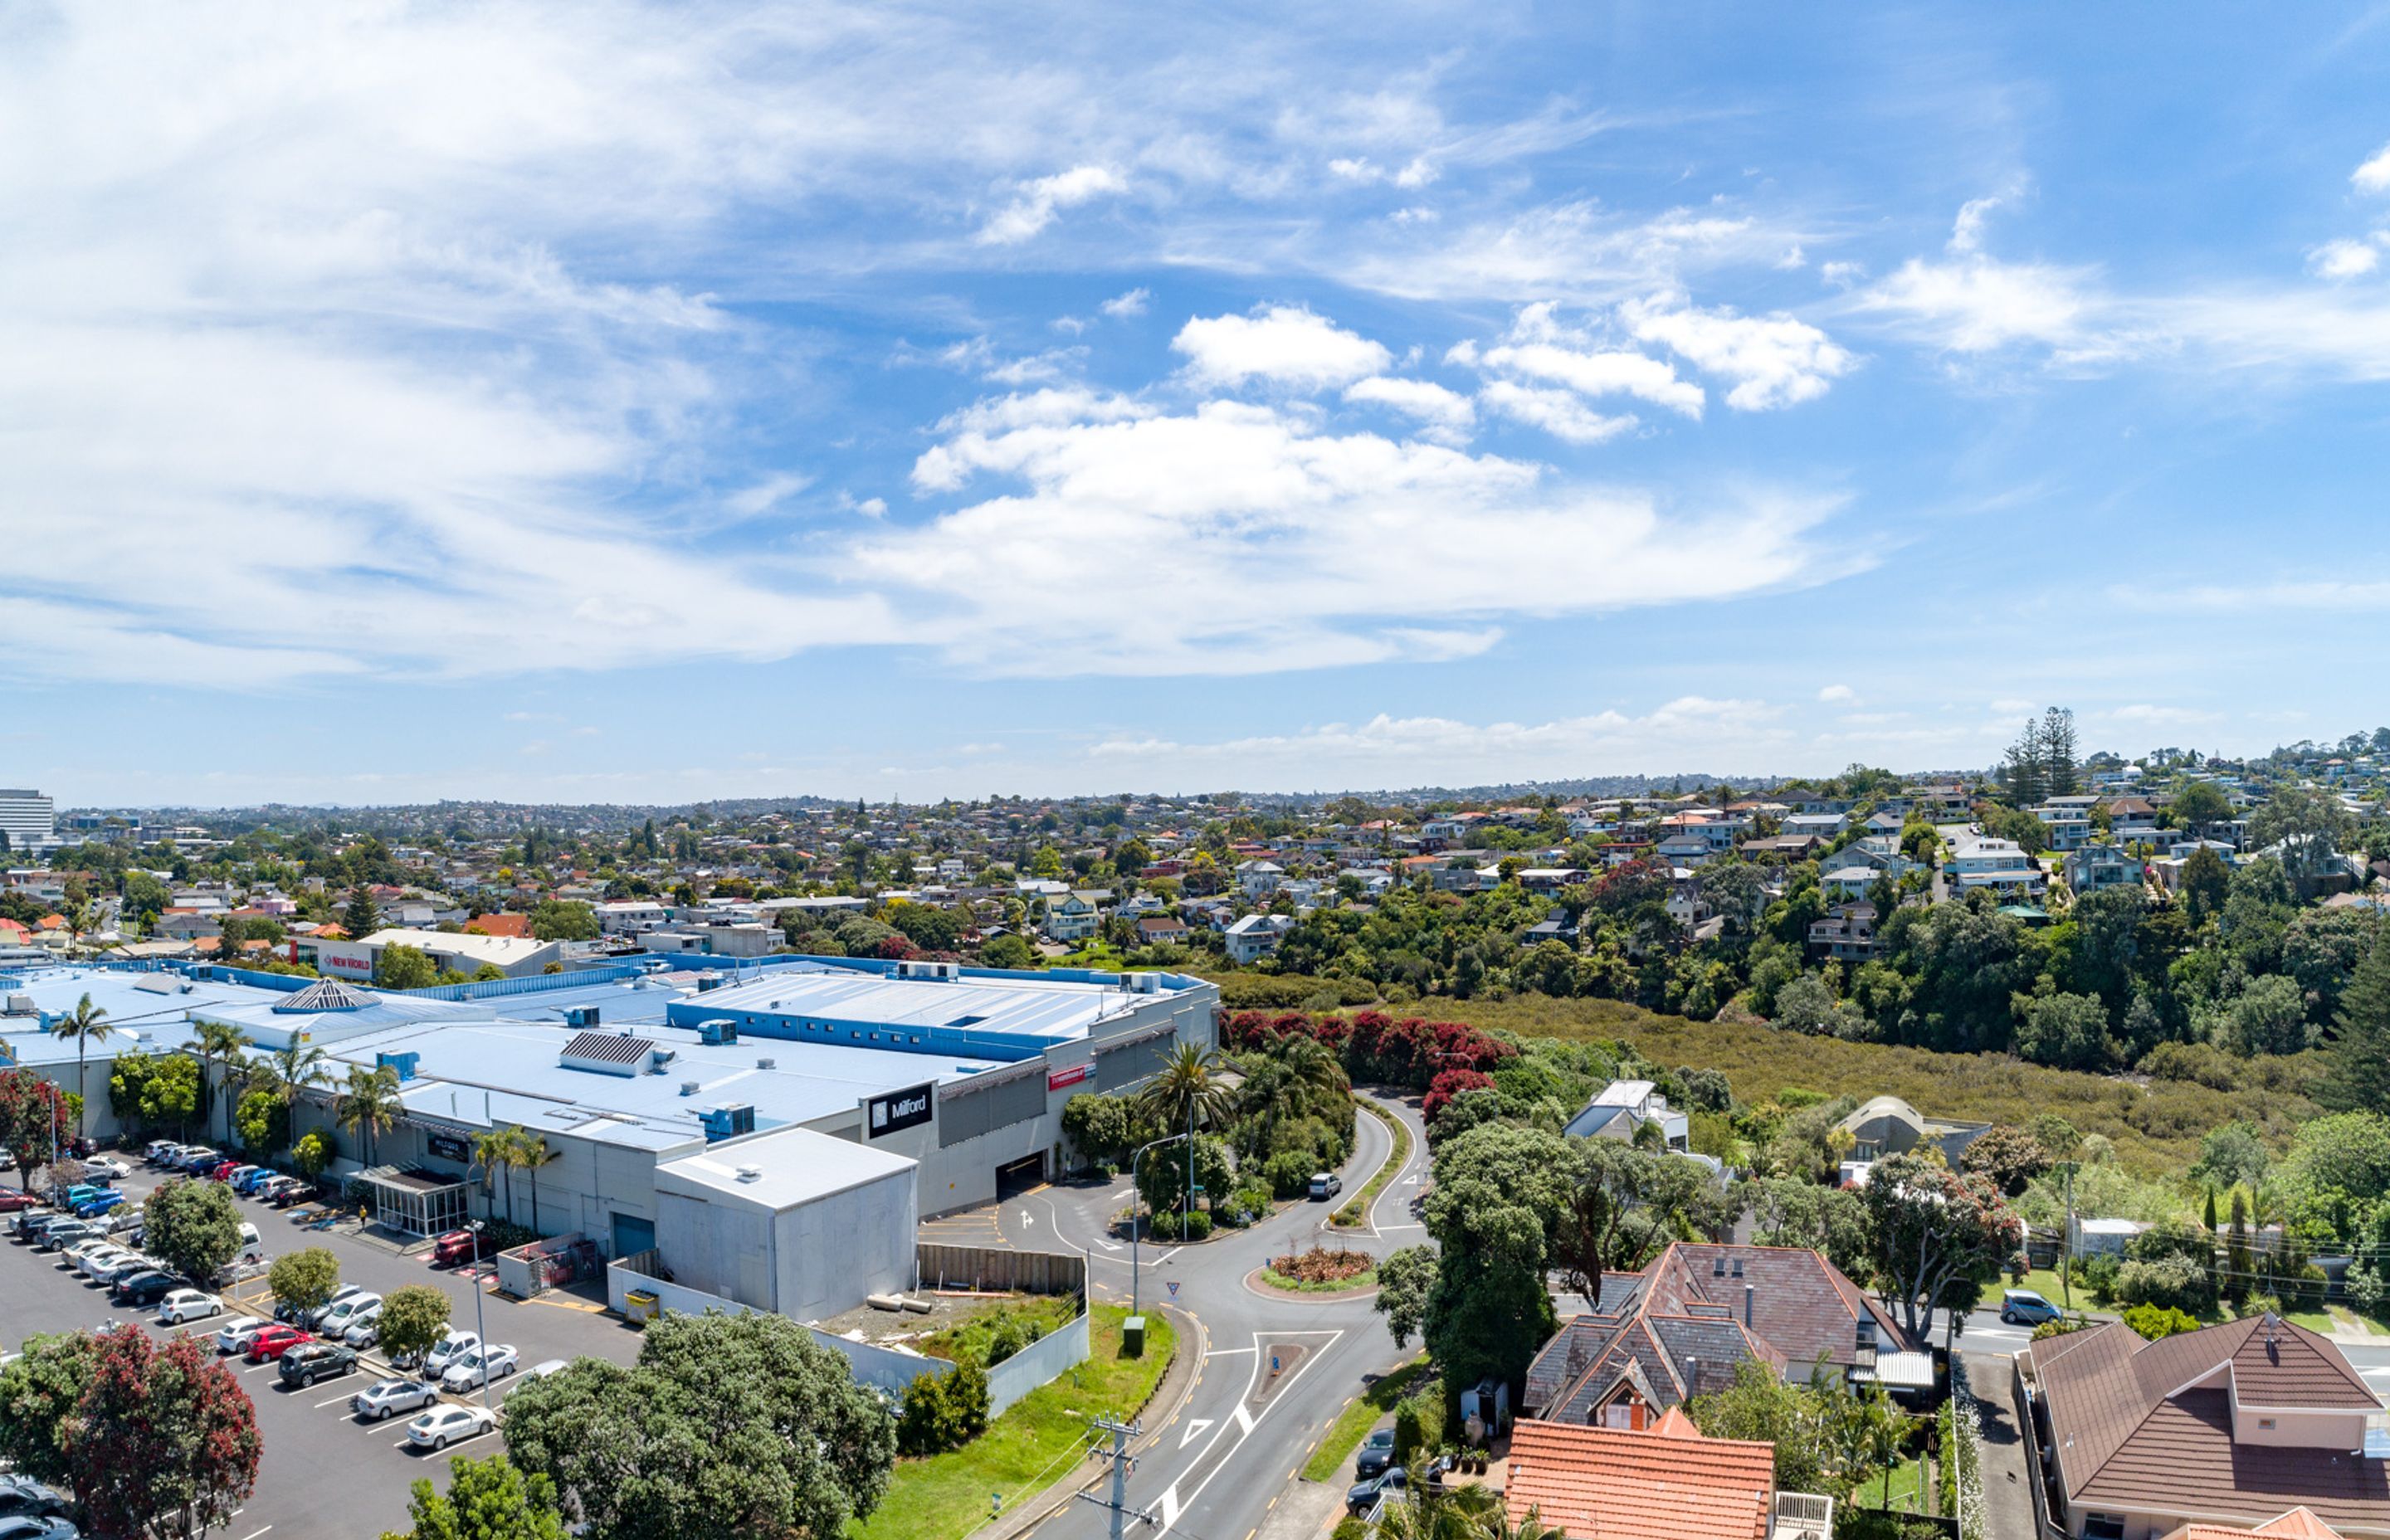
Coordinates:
1174	1289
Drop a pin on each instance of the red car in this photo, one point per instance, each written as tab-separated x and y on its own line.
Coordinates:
219	1173
276	1339
12	1201
457	1246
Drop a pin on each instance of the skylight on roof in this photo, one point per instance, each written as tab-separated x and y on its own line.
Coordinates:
967	1020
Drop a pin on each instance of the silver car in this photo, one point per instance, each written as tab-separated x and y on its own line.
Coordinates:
379	1399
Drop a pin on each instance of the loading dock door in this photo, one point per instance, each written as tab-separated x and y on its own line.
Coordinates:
1015	1178
633	1236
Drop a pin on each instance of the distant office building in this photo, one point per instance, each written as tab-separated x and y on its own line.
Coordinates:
29	819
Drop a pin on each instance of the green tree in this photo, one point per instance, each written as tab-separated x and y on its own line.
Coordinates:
728	1426
221	1046
288	1071
487	1499
84	1025
193	1226
1786	1211
2007	1155
164	1443
262	1123
314	1151
2065	1032
2200	807
2206	882
2357	1073
1405	1281
172	1094
33	1120
414	1316
371	1103
1008	951
2233	1155
401	967
39	1392
360	920
1800	1420
1930	1228
564	919
306	1279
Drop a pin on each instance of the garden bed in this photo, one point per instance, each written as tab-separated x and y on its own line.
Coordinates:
1321	1271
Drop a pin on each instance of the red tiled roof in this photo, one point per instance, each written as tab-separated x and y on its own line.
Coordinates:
1657	1485
517	925
2297	1524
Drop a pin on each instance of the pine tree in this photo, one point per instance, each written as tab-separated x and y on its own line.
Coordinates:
2057	759
2027	786
361	920
2236	1253
2358	1080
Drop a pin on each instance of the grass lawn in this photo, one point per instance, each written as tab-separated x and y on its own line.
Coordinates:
1035	1443
1354	1212
1352	1424
2044	1282
1907	1489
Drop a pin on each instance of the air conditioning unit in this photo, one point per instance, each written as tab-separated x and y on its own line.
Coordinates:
929	971
690	1087
1141	983
658	1059
719	1033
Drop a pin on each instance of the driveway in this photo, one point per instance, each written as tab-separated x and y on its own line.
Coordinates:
2008	1489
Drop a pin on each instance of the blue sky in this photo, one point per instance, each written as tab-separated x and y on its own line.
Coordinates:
619	402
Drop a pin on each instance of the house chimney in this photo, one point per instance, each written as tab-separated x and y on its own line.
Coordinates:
1747	1290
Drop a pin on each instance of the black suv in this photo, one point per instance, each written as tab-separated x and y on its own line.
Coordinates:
144	1287
309	1362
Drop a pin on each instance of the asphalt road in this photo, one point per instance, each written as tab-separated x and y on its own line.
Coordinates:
1275	1369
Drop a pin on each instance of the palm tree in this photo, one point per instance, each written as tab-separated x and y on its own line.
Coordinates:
370	1105
1495	1526
287	1072
86	1024
493	1152
1436	1513
221	1043
1187	1092
531	1153
1316	1072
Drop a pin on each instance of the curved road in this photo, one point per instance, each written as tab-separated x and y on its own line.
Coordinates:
1276	1369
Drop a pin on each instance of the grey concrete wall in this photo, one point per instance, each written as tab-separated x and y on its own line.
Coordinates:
718	1247
831	1253
1043	1360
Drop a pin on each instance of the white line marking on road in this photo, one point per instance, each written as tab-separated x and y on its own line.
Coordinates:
1029	1219
253	1535
1194	1431
1244	1418
335	1401
1229	1352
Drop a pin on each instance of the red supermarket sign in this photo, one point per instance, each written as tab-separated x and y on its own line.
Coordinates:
1057	1079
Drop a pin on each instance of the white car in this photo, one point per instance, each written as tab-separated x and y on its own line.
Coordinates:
443	1426
92	1257
494	1362
392	1395
343	1314
315	1317
187	1304
236	1334
107	1166
447	1351
110	1263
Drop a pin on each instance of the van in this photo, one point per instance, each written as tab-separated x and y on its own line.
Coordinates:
1325	1184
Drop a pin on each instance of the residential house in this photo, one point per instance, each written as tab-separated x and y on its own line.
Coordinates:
2097	1238
1685	1325
1663	1483
1686	849
1071	918
2132	818
1256	936
1847	935
1787	848
1621	1109
1850	884
1555	928
2100	866
1258	879
1887	1126
2227	1425
2299	1523
1825	826
1550	879
2067	821
1162	931
1999	865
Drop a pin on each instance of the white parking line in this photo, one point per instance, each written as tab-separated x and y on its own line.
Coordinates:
253	1535
334	1402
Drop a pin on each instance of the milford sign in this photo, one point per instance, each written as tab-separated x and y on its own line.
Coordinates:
898	1110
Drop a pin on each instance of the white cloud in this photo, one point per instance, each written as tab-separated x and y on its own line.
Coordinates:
767	495
1121	307
1977	304
1793	259
1283	344
1538	346
1040	201
2373	177
2342	258
1837	692
1775	360
1842	275
1562	414
1692	732
1445	412
1270	544
1967	230
1580	252
2145	715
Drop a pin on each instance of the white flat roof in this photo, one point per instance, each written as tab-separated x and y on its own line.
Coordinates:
797	1166
481	948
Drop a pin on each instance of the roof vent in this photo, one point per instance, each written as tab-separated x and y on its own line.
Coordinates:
768	1063
688	1087
751	1174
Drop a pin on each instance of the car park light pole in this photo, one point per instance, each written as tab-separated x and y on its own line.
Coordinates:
473	1227
1135	1274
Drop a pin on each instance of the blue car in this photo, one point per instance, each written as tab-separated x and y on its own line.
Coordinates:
2023	1307
249	1182
97	1204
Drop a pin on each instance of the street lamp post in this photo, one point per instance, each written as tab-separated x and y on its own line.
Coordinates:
474	1227
1135	1274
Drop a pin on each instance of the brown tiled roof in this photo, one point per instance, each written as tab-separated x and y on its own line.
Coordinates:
1654	1485
2147	1426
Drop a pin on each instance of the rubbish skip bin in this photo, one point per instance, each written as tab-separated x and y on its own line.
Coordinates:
641	1305
1133	1337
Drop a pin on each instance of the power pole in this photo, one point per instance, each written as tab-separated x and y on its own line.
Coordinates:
2066	1241
1122	1463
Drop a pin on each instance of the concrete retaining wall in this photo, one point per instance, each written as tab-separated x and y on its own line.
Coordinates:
1000	1269
1044	1360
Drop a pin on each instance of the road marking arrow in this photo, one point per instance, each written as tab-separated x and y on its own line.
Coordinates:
1194	1431
1028	1219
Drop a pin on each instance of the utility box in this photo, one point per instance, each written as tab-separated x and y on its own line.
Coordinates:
641	1305
1133	1337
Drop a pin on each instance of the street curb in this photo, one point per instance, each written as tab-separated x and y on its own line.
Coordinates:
1065	1490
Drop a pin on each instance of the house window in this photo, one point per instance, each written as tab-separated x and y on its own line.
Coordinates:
2102	1526
2264	1425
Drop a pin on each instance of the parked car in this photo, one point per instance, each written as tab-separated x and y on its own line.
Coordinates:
290	1190
101	1262
160	1151
76	1194
494	1361
13	1201
235	1335
1377	1453
22	1495
75	1251
377	1402
187	1304
2023	1307
457	1247
1364	1495
315	1317
107	1166
122	1265
68	1232
98	1203
196	1159
238	1175
1325	1184
309	1362
255	1178
447	1351
443	1426
284	1313
540	1372
276	1341
38	1527
340	1315
221	1169
143	1288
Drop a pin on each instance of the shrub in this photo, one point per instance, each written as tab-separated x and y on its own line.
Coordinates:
942	1411
2059	1328
2155	1322
1419	1424
1321	1265
1289	1173
1249	1202
1166	1225
2176	1282
1350	1528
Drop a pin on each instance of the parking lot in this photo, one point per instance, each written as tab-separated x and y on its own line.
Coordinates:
323	1471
